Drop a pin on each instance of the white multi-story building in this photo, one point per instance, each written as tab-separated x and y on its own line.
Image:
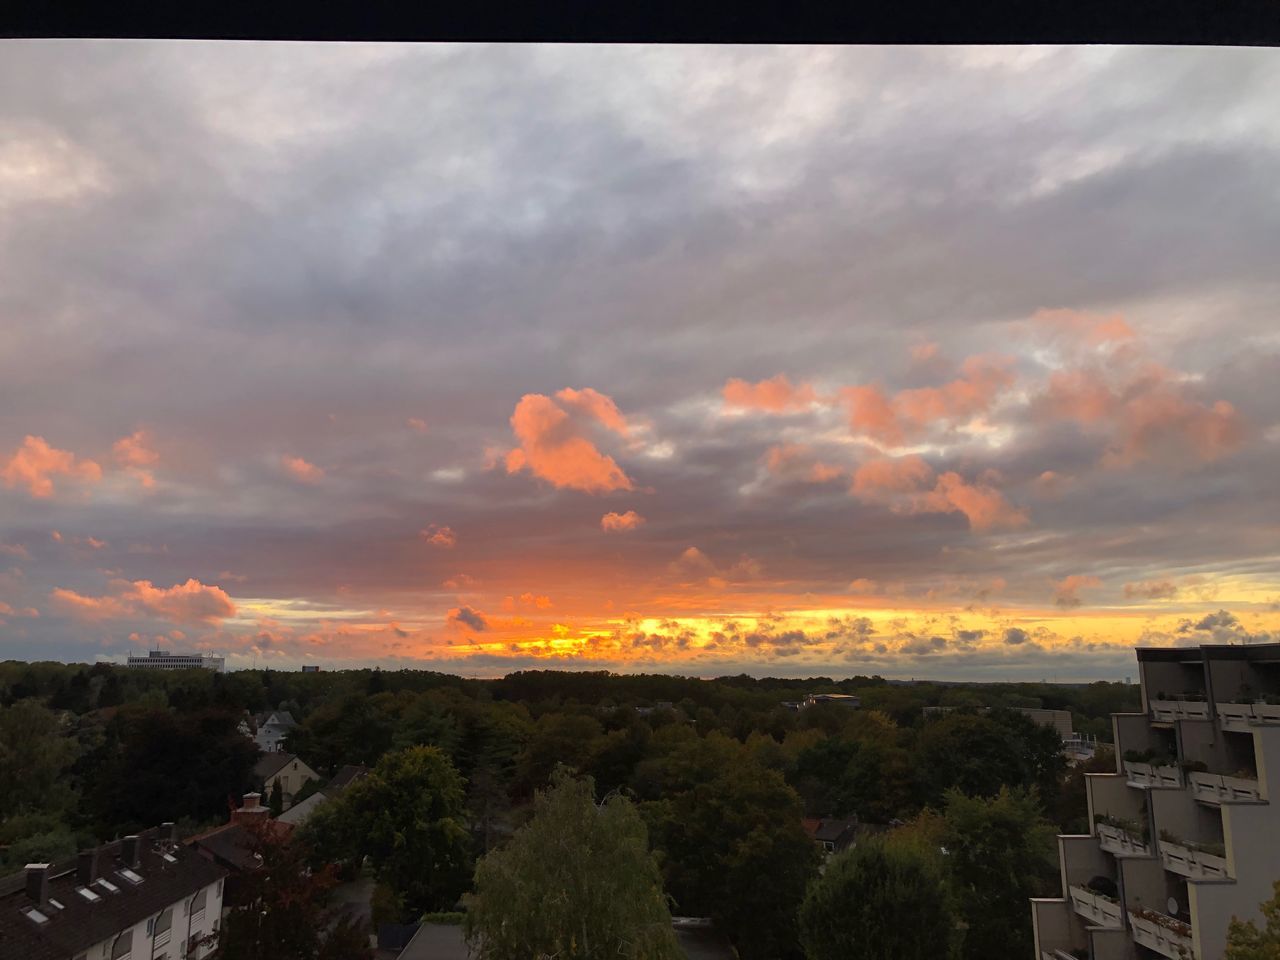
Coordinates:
1185	831
141	897
164	660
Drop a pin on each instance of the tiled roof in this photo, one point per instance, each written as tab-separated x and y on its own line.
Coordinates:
347	775
81	923
271	764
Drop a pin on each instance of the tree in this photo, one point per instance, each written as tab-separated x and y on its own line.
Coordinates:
280	912
576	883
275	801
879	900
1000	853
406	816
35	754
1246	942
721	822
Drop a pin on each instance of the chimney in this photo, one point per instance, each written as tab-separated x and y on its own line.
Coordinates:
169	832
251	811
131	850
38	882
87	867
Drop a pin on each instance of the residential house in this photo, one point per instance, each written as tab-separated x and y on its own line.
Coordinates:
1185	833
272	728
230	845
297	814
141	897
830	834
285	769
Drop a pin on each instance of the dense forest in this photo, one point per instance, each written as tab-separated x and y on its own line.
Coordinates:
720	771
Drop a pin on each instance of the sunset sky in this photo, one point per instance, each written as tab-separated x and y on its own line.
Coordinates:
949	363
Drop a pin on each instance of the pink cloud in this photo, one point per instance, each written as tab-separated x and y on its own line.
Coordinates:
1151	590
135	455
789	459
1089	328
190	602
553	445
301	470
416	424
618	522
461	581
775	395
1066	592
909	485
529	600
871	412
35	463
13	550
439	536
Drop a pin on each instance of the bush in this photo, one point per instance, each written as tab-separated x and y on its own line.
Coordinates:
448	918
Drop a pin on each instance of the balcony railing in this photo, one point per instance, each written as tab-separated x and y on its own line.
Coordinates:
1216	788
1193	862
1153	775
1242	716
1170	710
1099	910
1162	933
1120	841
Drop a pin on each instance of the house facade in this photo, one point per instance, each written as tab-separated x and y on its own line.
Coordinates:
1185	830
141	897
285	768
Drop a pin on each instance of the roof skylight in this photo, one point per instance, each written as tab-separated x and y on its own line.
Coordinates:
107	885
87	894
130	875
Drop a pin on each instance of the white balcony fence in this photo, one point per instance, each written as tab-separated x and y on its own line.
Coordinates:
1191	863
1242	716
1165	934
1167	776
1170	710
1216	788
1099	910
1121	842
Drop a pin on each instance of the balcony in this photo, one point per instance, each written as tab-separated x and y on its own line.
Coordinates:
1216	788
1160	776
1195	861
1167	711
1162	933
1240	717
1063	955
1123	841
1096	908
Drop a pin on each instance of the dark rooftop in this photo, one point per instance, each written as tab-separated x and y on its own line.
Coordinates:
168	874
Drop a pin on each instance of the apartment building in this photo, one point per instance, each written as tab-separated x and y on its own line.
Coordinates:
1186	831
164	660
141	897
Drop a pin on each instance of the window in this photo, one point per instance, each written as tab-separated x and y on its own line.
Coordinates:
106	885
87	894
36	916
161	933
130	876
123	946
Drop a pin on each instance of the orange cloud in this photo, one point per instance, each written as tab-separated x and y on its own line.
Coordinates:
910	414
529	600
904	484
1090	328
775	395
617	522
134	453
13	550
34	464
1066	592
190	602
461	581
439	536
416	424
554	448
1151	590
301	470
787	458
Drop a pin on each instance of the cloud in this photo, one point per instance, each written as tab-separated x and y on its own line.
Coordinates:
796	460
469	618
439	536
301	470
13	550
1066	592
863	586
461	581
775	395
1151	590
35	463
554	445
416	424
618	522
903	483
190	602
135	454
1077	326
693	562
913	413
1013	636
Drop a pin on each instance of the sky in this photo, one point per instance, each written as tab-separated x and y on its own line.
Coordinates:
948	362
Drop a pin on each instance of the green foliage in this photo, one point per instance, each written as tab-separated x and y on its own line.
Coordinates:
575	883
36	752
275	801
721	823
281	913
449	918
879	900
1000	853
1246	942
406	817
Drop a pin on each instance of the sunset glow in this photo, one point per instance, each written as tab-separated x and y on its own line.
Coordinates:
796	361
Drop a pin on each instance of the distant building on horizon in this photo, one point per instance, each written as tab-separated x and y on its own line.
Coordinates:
310	668
165	660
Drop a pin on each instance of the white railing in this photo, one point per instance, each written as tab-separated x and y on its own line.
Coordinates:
1192	863
1216	788
1150	775
1102	911
1170	710
1241	716
1167	935
162	939
1119	841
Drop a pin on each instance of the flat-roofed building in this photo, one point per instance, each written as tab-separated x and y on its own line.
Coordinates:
1185	833
164	660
